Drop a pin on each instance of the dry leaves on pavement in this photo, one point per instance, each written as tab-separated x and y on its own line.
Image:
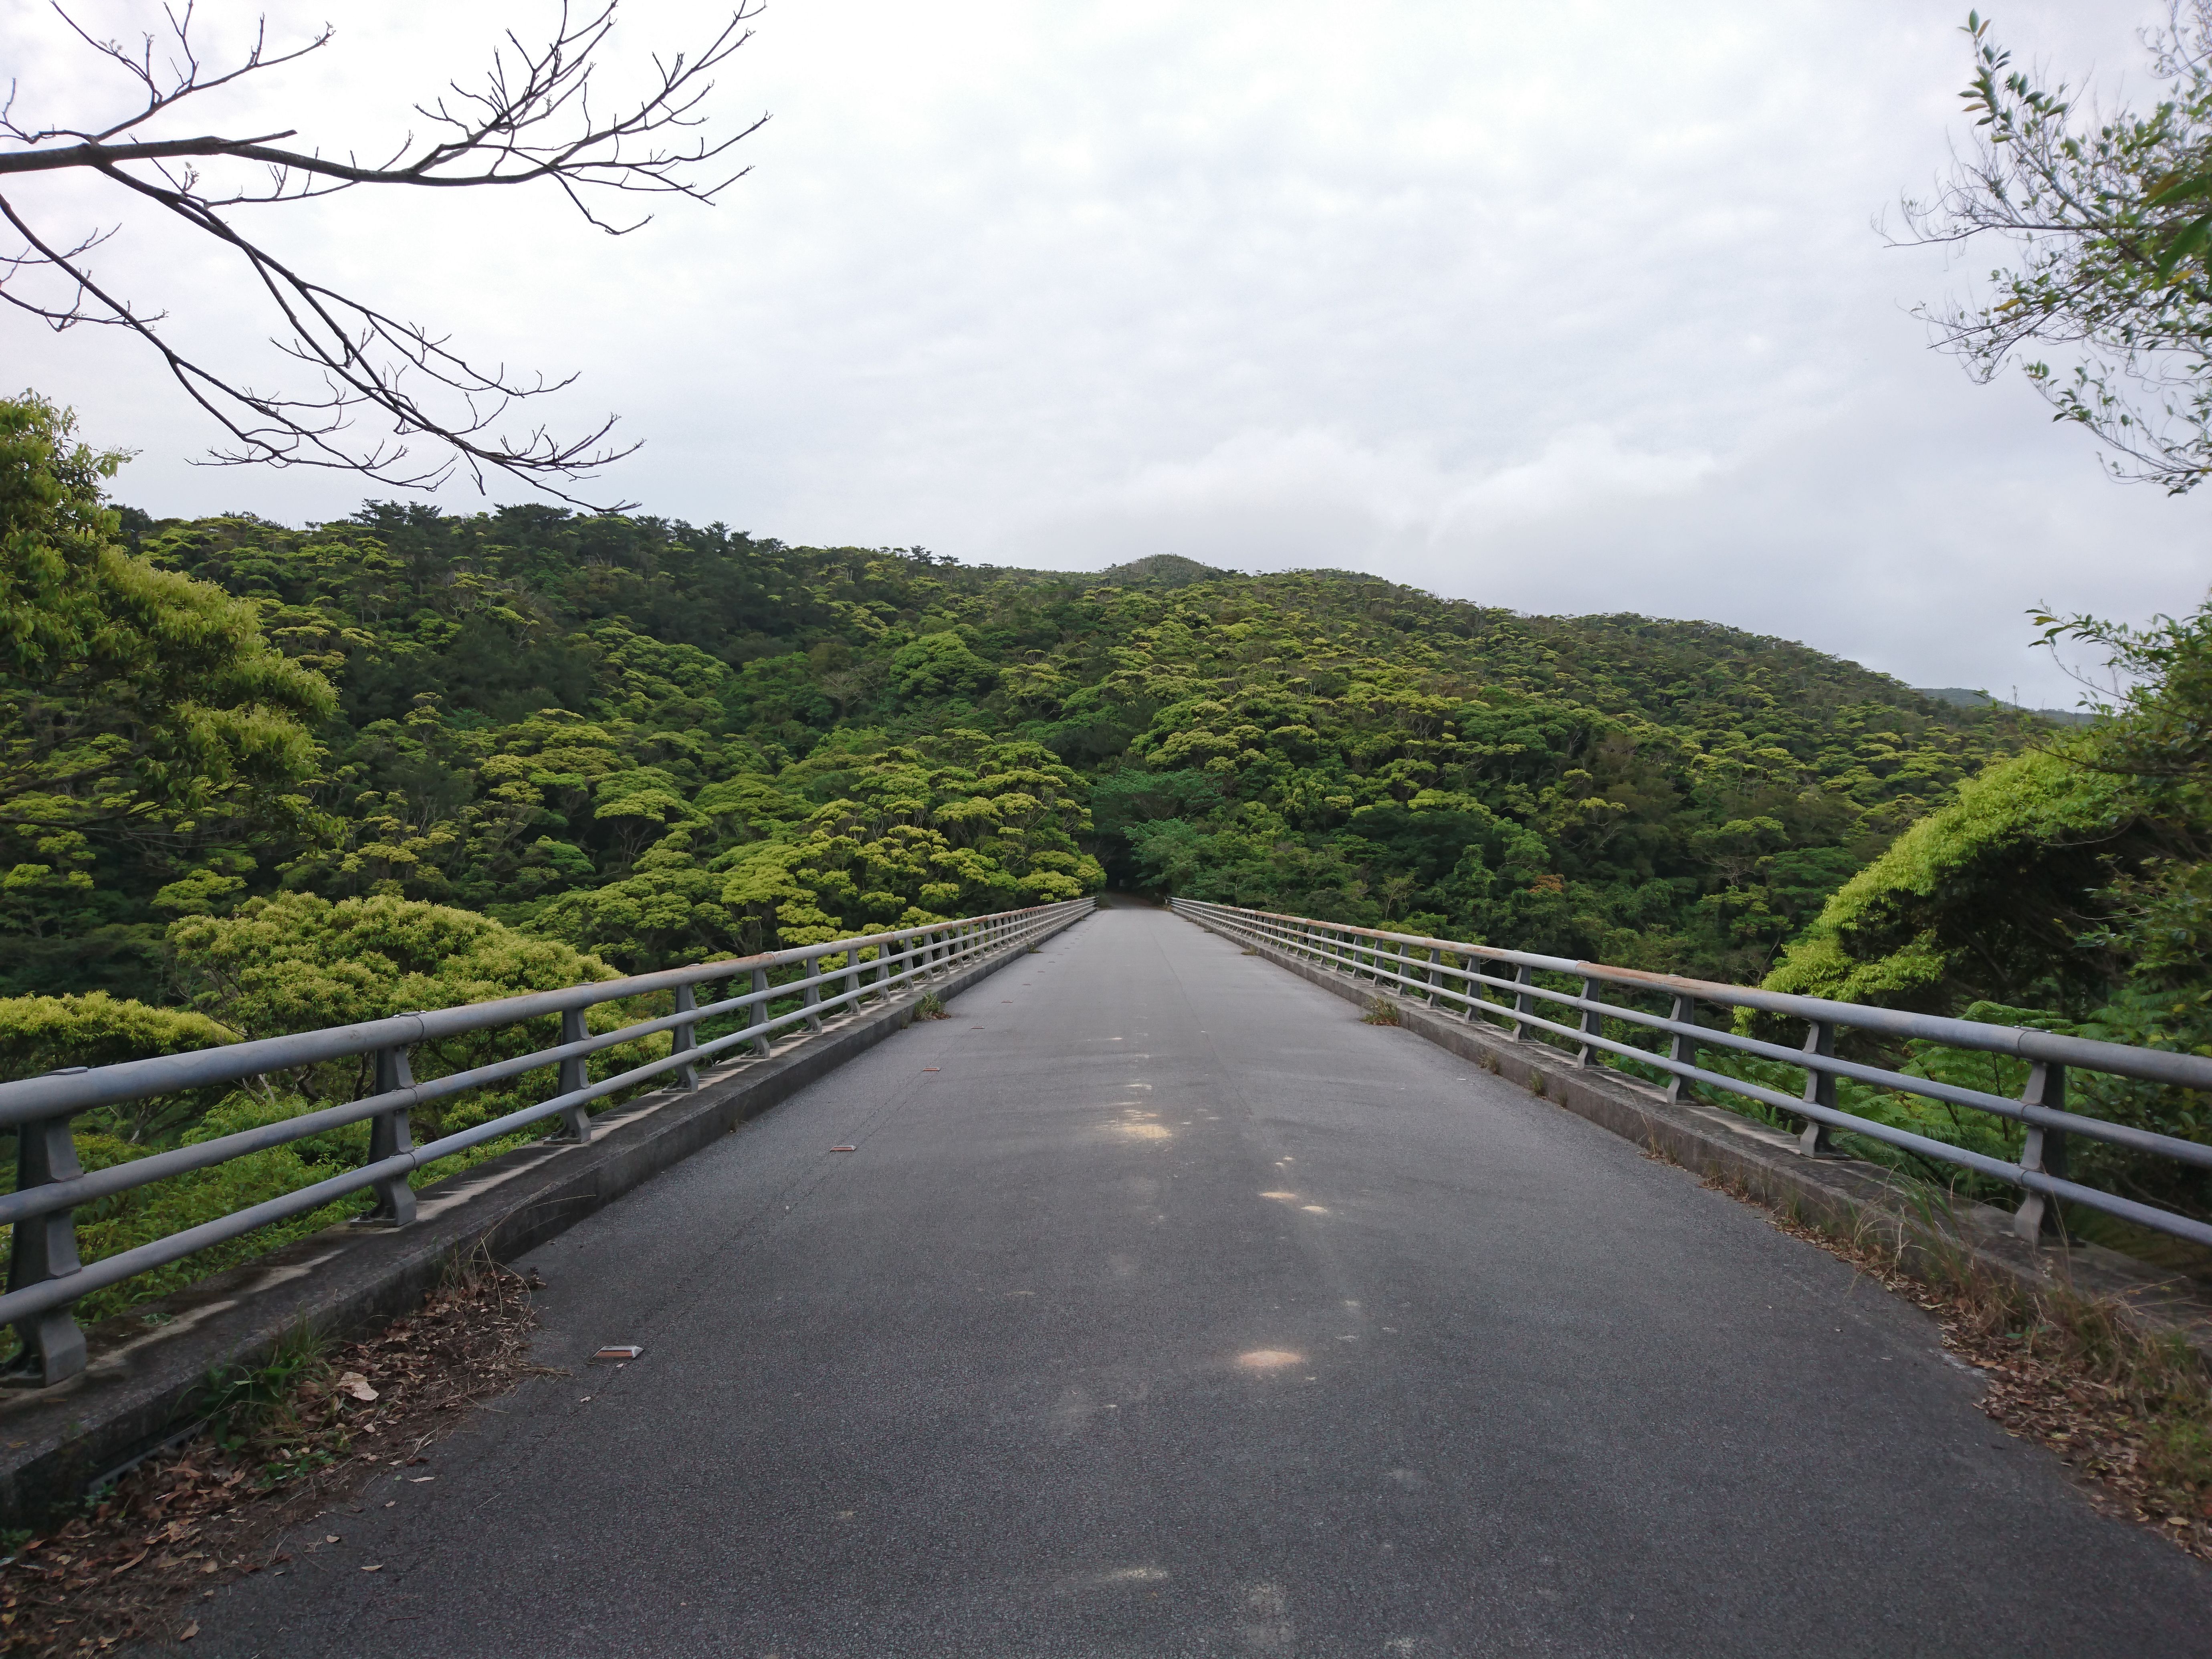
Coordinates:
285	1443
2130	1417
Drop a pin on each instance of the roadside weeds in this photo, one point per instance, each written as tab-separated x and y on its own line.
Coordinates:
279	1445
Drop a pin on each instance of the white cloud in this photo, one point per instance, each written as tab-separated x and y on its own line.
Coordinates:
1282	500
1569	307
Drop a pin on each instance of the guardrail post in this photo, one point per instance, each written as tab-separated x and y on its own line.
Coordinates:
686	1037
1523	1004
762	1045
1814	1139
45	1248
390	1133
1592	1023
575	1121
852	980
812	998
1683	1049
1464	967
2044	1150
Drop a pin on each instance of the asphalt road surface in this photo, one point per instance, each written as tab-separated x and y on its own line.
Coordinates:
1164	1308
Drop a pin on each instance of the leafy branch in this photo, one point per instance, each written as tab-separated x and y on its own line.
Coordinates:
2107	214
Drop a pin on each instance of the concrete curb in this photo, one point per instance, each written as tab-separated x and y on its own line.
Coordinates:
148	1366
1843	1196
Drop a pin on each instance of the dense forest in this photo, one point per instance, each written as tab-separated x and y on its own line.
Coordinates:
265	778
656	742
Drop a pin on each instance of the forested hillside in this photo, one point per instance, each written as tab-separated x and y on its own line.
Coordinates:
656	742
264	779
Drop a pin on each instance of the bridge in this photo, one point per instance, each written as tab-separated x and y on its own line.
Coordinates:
1163	1306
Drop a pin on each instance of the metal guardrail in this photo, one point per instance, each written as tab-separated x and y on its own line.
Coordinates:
1454	974
45	1277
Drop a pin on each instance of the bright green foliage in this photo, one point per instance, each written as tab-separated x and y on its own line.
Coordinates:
154	1211
143	718
39	1035
1984	899
667	911
1666	794
2073	876
2074	879
659	743
950	826
294	963
562	748
298	963
941	666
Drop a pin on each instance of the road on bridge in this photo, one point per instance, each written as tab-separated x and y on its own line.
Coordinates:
1165	1309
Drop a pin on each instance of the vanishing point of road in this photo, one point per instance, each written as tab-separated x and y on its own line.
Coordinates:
1162	1309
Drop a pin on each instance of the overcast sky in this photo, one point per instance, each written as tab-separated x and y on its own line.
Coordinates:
1568	307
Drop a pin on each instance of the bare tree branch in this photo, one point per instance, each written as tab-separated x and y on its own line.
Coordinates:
530	120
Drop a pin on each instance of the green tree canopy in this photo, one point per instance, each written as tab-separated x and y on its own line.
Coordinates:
139	707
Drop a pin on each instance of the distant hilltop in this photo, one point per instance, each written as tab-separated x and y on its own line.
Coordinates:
1959	697
1173	570
1161	570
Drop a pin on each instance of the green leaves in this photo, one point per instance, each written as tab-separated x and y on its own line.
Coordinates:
941	666
647	743
1982	898
130	694
2189	242
2107	236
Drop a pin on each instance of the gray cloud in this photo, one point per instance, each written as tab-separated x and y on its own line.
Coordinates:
1568	308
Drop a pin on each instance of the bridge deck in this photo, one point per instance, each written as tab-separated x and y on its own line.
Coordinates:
1164	1308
